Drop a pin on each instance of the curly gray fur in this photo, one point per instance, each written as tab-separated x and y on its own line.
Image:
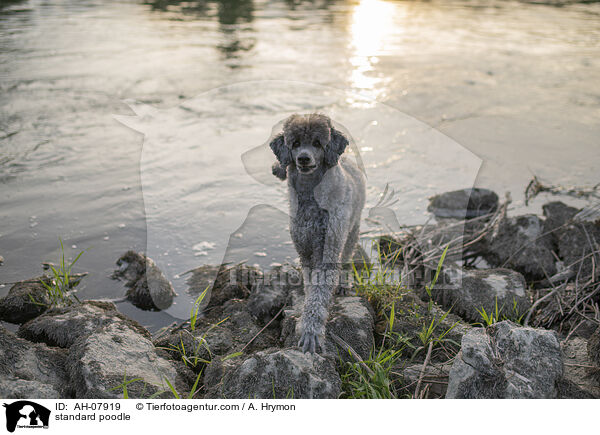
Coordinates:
327	194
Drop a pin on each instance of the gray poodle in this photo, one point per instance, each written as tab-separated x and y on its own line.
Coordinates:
327	195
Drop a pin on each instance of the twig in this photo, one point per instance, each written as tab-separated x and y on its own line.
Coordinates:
263	328
340	341
536	303
535	187
427	358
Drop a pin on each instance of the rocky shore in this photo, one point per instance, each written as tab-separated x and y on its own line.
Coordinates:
479	305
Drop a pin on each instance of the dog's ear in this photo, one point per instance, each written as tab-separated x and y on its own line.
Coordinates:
335	148
283	154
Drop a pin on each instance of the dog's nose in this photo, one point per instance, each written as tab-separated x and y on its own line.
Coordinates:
303	160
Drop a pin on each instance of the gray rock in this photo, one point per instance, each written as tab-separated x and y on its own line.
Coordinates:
14	388
147	287
35	363
63	326
279	374
467	291
243	328
506	361
25	300
557	215
580	377
435	377
268	297
350	318
412	315
576	241
464	203
223	282
593	352
99	363
519	244
183	344
221	341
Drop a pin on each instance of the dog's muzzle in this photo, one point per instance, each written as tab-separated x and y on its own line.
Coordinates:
305	164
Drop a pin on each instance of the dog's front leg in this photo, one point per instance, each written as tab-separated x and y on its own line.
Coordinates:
324	279
318	293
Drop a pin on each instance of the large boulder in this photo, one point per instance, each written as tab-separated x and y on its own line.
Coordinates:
99	363
467	291
25	301
29	369
63	326
519	244
505	360
464	203
274	374
147	287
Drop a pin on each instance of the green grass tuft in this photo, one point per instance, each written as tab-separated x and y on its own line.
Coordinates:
61	282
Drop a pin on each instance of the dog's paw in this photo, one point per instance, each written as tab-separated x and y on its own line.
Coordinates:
309	342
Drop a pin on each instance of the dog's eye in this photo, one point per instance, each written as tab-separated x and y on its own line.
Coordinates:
296	144
317	143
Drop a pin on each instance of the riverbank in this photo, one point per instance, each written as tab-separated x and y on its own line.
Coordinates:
490	306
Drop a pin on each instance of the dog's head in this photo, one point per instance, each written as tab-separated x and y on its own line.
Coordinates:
307	143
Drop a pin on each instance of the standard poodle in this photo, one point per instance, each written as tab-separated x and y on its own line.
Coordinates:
327	194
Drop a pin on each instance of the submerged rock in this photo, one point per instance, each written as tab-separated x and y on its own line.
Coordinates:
519	244
63	326
464	203
99	363
148	288
274	374
507	361
25	300
468	291
31	368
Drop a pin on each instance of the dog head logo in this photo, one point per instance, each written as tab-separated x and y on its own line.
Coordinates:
26	414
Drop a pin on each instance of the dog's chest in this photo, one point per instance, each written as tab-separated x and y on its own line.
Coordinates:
309	224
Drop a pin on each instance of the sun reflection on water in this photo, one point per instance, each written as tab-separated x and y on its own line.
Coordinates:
373	24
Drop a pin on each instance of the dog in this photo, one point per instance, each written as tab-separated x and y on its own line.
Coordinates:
327	194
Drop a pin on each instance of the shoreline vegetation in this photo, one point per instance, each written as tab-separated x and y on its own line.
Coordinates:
480	304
